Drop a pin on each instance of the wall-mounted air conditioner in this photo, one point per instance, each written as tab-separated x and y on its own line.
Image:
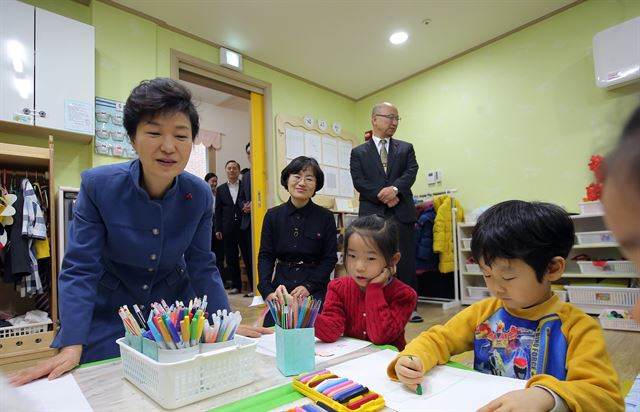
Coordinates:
616	54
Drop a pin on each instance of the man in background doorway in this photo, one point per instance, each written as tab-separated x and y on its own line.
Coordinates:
228	215
245	223
383	170
217	246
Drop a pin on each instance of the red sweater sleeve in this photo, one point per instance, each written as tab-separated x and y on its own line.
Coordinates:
388	311
330	323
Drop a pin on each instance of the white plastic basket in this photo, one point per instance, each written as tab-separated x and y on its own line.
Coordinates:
473	267
599	295
466	243
612	266
180	383
617	323
562	294
12	331
479	292
590	238
591	208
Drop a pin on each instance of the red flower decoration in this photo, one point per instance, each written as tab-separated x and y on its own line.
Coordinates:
188	196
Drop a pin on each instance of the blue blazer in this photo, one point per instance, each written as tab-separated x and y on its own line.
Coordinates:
125	248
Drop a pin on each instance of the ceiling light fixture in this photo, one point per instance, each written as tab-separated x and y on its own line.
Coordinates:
398	37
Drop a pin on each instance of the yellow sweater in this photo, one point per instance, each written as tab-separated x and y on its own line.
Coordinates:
443	231
554	344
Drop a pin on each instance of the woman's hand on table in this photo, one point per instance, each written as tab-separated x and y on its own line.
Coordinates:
67	359
253	331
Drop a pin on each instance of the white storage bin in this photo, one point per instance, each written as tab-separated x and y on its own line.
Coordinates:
479	292
591	208
602	295
616	323
589	238
180	383
562	294
466	243
612	266
473	267
12	331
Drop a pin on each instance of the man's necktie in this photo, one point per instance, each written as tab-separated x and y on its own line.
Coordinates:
383	153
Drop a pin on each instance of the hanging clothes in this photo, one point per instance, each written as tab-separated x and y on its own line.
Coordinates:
443	231
426	259
33	227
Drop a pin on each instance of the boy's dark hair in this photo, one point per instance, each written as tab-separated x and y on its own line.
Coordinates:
623	162
382	232
159	97
209	176
231	161
299	164
534	232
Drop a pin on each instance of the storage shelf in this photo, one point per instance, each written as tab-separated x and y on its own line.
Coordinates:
587	215
472	273
43	132
596	246
15	155
601	275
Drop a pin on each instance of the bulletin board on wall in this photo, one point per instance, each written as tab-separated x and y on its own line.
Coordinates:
330	146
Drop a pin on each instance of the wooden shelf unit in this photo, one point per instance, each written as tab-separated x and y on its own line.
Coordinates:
21	351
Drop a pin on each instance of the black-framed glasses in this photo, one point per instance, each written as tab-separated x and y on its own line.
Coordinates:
390	116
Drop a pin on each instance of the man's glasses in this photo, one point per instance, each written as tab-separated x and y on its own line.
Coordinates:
390	116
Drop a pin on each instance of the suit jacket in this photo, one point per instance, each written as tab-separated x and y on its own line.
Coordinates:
369	178
246	197
228	213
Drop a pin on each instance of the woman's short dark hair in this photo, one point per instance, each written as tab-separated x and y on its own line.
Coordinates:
534	232
159	97
299	164
382	233
622	163
209	176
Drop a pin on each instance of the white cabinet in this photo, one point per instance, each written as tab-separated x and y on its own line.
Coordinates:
47	69
591	287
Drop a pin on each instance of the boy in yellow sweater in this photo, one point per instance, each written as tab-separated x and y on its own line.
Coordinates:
525	332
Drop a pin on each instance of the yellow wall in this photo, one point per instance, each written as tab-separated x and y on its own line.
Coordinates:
518	118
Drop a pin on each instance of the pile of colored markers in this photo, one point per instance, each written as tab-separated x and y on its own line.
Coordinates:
180	326
295	313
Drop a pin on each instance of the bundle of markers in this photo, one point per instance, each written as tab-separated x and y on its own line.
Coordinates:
295	313
180	326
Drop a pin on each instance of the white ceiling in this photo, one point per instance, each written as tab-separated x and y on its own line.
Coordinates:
213	97
343	45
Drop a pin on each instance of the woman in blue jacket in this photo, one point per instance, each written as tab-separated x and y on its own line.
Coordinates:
141	233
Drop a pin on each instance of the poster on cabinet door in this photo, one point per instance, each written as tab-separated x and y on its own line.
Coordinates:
111	137
77	116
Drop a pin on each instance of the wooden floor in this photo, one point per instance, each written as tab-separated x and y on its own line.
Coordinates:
623	346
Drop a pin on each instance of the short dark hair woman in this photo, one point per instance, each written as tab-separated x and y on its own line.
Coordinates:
298	238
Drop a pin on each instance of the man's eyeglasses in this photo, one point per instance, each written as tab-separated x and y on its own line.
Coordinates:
390	116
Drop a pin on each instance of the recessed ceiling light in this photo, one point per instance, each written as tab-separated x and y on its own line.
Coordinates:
398	37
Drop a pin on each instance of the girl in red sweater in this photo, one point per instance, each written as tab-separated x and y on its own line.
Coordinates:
369	304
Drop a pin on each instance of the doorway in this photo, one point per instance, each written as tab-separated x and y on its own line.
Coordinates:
245	98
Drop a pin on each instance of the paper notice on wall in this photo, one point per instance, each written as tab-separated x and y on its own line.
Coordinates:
78	116
330	151
294	143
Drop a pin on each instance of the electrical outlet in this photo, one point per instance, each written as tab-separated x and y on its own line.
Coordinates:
431	177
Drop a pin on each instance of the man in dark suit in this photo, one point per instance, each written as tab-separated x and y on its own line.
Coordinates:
217	246
383	170
245	223
228	217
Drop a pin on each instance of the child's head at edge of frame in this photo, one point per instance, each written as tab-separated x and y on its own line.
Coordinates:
621	195
522	248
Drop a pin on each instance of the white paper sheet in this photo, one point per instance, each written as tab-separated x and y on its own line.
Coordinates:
331	182
295	143
346	184
313	146
344	154
444	388
59	395
329	151
324	351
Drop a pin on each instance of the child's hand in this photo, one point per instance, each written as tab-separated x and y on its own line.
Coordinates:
382	277
410	371
531	400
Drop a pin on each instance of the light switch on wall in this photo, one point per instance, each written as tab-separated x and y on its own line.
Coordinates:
438	175
431	177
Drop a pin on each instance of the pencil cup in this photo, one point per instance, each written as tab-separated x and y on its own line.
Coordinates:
295	350
134	341
177	355
210	347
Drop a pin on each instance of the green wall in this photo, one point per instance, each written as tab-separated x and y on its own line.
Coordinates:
518	118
